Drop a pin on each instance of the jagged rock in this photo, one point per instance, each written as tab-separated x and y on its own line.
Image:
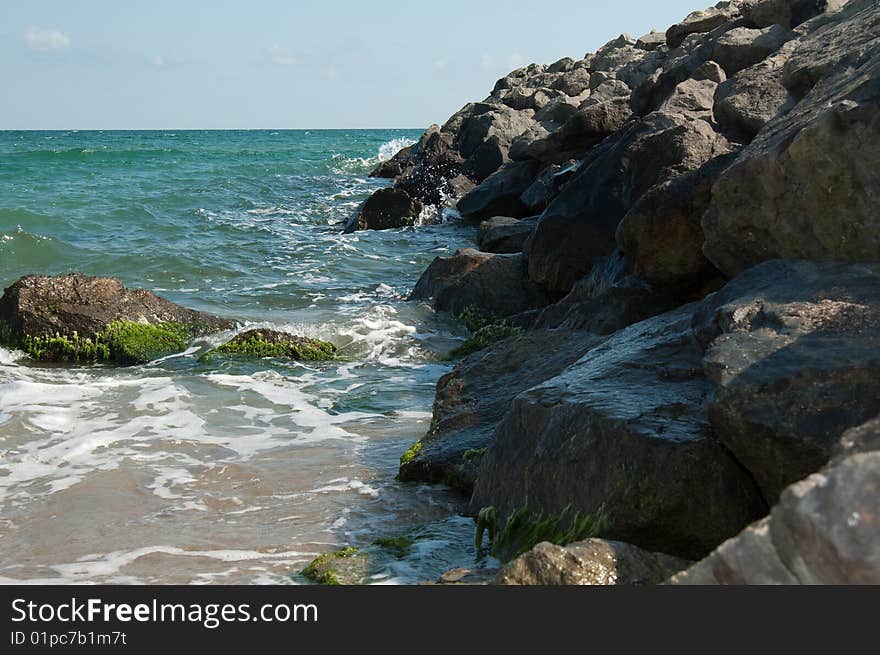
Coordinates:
861	439
43	305
547	186
589	562
622	435
473	397
574	82
711	71
788	13
693	98
651	41
795	352
386	209
487	159
827	148
502	234
486	121
742	47
499	194
702	21
578	227
748	101
661	235
591	123
562	66
823	531
493	284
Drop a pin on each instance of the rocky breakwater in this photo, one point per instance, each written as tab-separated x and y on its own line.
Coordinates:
80	319
683	284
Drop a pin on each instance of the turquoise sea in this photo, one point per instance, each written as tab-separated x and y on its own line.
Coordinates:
183	471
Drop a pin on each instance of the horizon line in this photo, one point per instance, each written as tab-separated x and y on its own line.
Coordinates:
199	129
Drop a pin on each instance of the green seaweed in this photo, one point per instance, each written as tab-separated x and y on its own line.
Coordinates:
474	319
485	337
473	454
411	453
320	569
522	531
400	546
300	348
120	342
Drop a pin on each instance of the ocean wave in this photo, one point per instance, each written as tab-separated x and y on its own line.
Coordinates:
343	164
389	149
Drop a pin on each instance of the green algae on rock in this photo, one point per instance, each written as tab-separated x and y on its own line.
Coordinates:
411	453
274	343
324	569
122	342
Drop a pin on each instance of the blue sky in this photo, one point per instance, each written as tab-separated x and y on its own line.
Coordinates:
136	64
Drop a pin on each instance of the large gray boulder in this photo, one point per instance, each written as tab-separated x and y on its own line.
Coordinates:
579	226
827	148
825	530
499	194
742	47
795	353
702	21
503	234
622	435
753	97
493	284
589	562
787	13
662	237
473	398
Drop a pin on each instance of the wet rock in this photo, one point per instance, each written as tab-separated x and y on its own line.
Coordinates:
823	531
262	342
702	21
503	234
662	237
578	227
622	435
827	147
547	186
475	395
386	209
795	352
742	47
499	194
79	318
589	562
493	284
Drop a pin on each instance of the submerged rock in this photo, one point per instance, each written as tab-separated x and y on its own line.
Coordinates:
79	318
386	209
274	343
589	562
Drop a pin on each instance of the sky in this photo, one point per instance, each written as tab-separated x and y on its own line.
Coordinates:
279	64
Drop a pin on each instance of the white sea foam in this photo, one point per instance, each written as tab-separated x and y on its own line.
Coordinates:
389	149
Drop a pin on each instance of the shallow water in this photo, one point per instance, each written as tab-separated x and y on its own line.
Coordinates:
232	471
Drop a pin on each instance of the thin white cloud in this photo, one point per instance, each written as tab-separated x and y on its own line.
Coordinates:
440	64
516	60
331	72
158	60
281	56
40	39
485	62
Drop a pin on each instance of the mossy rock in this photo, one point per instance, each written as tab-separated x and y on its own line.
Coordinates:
400	546
274	343
485	337
125	343
344	566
